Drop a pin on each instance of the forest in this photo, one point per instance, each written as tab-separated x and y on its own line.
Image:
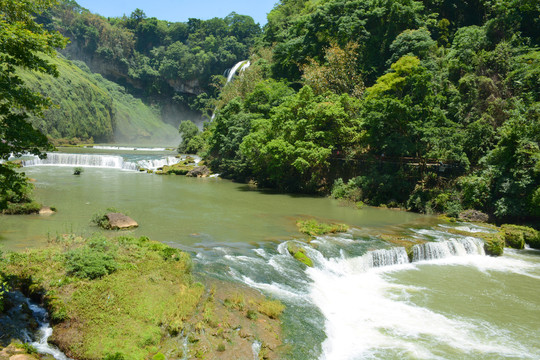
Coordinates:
432	106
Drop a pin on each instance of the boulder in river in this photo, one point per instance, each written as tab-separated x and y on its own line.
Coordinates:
199	171
119	221
46	211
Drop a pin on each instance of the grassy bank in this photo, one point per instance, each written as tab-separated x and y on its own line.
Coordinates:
133	298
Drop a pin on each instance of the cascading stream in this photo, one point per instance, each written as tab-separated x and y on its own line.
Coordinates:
358	296
100	161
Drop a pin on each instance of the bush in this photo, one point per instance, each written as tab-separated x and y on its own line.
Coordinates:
22	208
513	237
101	220
77	171
271	308
158	356
89	263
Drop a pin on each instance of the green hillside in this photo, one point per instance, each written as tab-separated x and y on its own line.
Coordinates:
89	107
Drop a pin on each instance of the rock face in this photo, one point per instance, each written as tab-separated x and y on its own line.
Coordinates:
199	171
474	215
118	221
46	211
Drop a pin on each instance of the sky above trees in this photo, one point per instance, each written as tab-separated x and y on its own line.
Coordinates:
182	10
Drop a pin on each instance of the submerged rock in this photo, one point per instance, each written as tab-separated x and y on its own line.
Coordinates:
199	171
299	254
119	221
46	211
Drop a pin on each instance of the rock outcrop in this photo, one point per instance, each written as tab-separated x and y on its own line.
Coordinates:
46	211
119	221
199	171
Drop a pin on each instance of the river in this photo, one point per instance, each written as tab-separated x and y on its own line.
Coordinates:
362	299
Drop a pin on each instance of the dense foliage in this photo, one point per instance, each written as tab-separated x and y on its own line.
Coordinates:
433	106
22	44
157	59
89	108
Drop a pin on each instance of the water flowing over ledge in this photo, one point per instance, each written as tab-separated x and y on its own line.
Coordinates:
359	302
99	161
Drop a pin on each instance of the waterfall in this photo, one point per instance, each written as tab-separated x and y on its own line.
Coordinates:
239	67
45	331
99	161
124	148
444	249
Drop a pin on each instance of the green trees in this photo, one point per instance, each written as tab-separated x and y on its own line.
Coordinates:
191	140
448	119
22	42
291	149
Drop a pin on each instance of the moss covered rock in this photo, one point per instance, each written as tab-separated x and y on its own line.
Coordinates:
530	235
493	244
513	237
299	254
182	168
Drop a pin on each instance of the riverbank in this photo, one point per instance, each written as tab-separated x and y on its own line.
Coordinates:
133	298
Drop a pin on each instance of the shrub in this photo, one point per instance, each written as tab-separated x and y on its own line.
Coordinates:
89	263
158	356
100	218
77	171
22	208
271	308
252	315
3	291
116	356
221	347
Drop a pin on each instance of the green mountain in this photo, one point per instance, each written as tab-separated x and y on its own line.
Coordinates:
89	107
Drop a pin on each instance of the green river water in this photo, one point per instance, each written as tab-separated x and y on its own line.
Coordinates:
361	300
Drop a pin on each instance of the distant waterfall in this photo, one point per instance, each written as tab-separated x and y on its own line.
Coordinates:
239	67
99	161
444	249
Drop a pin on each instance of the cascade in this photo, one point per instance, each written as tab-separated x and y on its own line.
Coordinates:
45	332
443	249
124	148
99	161
239	67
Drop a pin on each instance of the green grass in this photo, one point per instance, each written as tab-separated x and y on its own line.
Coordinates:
125	311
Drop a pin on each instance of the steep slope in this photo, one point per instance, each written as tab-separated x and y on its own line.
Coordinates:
89	107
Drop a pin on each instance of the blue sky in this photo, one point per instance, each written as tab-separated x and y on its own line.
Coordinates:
182	10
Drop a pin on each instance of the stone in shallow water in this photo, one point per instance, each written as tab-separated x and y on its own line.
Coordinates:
46	211
118	221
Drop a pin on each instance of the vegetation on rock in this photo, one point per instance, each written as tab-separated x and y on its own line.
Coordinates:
299	254
312	227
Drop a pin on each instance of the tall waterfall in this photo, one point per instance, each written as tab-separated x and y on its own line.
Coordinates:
99	161
240	67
